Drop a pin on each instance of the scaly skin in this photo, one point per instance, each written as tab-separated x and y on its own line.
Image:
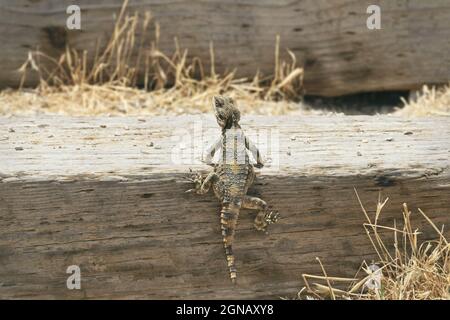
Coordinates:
232	177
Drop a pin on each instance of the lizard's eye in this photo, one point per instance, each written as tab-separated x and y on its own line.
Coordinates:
220	117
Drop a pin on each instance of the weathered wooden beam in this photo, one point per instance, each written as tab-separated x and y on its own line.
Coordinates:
329	37
107	194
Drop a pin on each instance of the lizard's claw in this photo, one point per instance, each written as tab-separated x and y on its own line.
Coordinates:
271	217
193	176
196	179
188	176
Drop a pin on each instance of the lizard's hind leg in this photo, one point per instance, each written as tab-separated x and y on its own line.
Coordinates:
264	216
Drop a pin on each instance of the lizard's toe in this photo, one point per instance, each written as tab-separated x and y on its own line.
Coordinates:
272	217
197	179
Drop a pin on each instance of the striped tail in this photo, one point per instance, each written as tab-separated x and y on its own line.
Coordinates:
228	220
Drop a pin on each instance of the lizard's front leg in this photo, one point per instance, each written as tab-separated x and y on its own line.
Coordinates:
202	185
264	217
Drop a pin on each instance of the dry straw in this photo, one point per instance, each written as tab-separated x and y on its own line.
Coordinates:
409	270
429	101
131	75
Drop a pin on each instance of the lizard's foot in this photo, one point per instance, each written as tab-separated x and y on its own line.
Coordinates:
262	221
272	217
260	225
197	179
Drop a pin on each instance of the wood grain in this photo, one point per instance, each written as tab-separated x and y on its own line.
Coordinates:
107	194
329	37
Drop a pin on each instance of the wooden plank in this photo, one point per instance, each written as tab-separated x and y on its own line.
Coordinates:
107	194
330	38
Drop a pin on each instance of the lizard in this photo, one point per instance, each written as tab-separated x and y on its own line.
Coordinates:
232	176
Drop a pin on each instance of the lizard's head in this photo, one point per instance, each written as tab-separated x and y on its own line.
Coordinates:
227	114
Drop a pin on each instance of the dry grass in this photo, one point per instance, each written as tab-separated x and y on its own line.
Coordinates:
130	75
431	101
408	270
168	83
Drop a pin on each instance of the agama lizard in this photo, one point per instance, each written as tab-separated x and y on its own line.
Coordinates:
232	177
